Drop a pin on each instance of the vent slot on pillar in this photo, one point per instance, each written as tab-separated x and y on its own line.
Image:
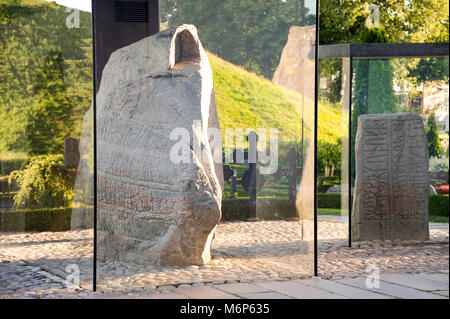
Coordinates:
131	11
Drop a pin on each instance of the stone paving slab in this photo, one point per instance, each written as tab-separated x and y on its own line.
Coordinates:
264	295
444	278
391	289
205	292
241	288
170	295
299	291
341	289
417	282
441	292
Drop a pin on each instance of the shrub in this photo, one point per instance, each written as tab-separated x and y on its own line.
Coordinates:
328	157
438	205
442	190
325	182
45	182
437	164
326	200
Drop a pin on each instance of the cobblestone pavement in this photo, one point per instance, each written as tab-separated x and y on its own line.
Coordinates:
32	263
21	280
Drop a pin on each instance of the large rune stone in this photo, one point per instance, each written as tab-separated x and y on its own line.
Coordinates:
297	61
153	209
391	187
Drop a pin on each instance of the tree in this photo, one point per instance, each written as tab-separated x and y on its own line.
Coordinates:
430	69
29	32
342	21
49	120
328	157
434	143
373	89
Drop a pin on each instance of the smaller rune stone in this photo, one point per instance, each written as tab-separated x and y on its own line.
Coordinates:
71	151
391	186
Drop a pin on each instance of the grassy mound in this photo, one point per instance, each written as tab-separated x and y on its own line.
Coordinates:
245	100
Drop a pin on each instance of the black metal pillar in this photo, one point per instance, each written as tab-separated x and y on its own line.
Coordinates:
316	108
117	24
350	155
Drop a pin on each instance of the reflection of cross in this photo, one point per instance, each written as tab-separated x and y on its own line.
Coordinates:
252	181
291	172
252	173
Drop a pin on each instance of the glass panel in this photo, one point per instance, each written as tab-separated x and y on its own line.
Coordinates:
333	153
417	146
156	217
45	91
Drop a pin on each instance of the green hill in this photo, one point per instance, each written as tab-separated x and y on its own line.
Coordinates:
245	100
45	76
46	85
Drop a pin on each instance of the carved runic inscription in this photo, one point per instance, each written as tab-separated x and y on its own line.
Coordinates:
391	186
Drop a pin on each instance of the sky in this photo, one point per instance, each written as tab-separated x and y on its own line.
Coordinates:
84	5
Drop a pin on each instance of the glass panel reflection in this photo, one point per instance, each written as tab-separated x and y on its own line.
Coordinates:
45	90
186	129
332	152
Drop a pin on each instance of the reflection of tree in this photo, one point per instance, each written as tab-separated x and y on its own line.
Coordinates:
48	121
373	88
31	34
331	69
341	21
434	143
431	69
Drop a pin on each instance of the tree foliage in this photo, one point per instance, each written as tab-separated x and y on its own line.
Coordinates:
43	65
373	88
430	69
434	143
49	120
342	21
328	157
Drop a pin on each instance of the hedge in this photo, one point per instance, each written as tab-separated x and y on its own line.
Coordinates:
275	208
48	219
438	205
59	219
329	200
268	209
